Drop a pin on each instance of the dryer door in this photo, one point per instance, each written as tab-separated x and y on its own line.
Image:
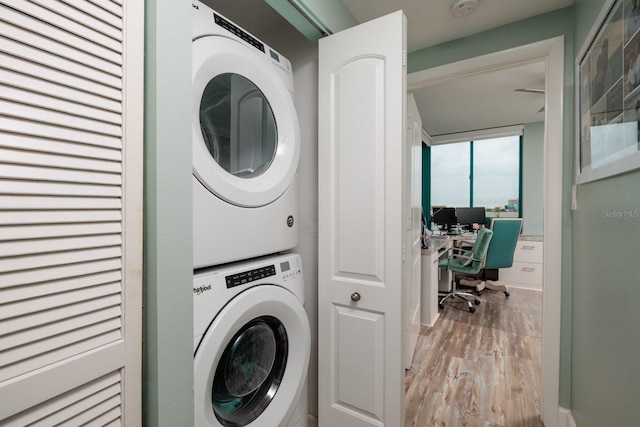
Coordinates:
251	365
245	128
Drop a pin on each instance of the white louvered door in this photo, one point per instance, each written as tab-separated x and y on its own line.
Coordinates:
70	212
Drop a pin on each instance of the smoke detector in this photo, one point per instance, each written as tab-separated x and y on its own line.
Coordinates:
463	8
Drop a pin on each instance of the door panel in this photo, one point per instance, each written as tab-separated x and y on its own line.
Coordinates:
362	95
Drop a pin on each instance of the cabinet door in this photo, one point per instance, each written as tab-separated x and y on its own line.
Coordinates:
71	213
362	102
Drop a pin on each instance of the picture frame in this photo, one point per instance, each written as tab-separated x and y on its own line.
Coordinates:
608	94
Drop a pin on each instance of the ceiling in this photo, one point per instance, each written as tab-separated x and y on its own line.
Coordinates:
464	104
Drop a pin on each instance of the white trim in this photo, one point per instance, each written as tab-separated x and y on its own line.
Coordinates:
565	418
552	52
476	135
426	138
133	159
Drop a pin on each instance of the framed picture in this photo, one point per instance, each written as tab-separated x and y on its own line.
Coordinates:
608	94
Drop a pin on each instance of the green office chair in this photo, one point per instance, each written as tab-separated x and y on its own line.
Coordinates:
506	232
467	262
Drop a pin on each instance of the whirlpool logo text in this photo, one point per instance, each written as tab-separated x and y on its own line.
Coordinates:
201	289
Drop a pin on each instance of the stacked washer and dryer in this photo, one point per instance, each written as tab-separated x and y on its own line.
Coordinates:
251	333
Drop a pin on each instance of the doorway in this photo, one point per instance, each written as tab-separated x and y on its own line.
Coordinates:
551	51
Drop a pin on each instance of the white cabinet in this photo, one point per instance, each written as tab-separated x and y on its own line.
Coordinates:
526	271
429	294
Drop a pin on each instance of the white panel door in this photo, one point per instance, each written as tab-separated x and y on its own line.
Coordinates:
362	116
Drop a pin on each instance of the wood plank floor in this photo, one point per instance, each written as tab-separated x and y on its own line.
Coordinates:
479	369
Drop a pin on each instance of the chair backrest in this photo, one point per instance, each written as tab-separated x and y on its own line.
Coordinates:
506	232
480	248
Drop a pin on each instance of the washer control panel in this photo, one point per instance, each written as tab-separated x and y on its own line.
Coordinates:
249	276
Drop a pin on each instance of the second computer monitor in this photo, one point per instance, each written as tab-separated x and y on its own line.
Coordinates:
468	216
445	218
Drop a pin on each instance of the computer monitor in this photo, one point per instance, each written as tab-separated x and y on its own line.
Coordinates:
445	218
468	216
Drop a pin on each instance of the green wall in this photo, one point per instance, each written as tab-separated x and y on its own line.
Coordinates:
605	362
168	335
532	178
542	27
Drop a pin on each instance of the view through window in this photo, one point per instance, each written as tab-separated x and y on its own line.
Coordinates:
478	173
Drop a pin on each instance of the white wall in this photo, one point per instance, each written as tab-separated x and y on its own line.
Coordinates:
532	175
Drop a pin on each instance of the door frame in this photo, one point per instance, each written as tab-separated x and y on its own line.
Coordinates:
552	52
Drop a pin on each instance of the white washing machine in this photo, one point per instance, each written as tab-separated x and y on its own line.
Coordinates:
252	344
246	144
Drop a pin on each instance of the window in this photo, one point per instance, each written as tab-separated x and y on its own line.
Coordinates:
478	173
450	173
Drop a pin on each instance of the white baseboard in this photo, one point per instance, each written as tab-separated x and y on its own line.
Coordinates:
433	322
566	419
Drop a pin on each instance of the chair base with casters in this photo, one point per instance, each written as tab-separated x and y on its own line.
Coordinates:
462	295
466	263
487	279
480	285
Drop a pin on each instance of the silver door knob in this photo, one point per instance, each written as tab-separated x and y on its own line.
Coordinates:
355	297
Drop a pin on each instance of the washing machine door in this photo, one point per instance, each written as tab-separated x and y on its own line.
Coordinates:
251	364
245	128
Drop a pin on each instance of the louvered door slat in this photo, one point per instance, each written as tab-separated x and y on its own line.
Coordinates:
45	412
42	303
27	278
15	172
20	74
110	6
42	51
59	230
41	115
55	314
53	329
68	415
20	157
61	71
57	189
40	145
59	21
73	14
99	275
97	415
93	10
22	203
48	260
58	217
38	26
29	247
64	347
48	131
58	105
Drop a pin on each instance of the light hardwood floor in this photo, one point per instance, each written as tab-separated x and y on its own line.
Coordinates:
479	369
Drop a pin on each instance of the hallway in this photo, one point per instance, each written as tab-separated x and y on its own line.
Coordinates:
481	369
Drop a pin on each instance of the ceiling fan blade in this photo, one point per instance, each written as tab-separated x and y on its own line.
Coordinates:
527	90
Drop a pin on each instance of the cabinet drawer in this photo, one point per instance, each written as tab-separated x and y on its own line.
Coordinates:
523	272
527	251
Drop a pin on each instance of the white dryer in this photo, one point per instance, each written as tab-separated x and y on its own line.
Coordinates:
252	344
246	144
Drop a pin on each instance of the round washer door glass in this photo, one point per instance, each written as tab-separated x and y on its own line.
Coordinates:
238	126
250	371
245	131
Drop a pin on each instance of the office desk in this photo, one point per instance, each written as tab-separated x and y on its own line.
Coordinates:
430	279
